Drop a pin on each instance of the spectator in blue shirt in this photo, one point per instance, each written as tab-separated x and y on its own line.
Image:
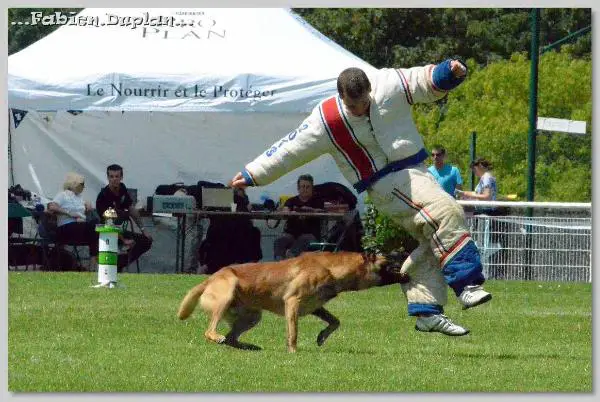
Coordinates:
447	175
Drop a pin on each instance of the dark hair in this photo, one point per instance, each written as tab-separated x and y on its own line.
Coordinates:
353	82
305	177
115	168
439	148
484	163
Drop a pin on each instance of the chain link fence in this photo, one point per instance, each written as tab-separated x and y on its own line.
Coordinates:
550	245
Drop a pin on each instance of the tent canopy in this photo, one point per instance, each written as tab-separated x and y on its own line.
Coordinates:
216	60
169	103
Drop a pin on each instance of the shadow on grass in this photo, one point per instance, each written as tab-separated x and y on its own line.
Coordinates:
336	350
243	346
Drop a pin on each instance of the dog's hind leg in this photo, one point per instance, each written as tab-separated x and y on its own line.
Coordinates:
241	322
216	301
329	318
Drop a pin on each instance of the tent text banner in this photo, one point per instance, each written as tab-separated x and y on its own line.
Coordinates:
192	92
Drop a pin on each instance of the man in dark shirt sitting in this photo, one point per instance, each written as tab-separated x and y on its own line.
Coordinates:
301	231
115	195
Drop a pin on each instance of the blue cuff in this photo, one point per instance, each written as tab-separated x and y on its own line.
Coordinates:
443	78
464	268
424	309
247	178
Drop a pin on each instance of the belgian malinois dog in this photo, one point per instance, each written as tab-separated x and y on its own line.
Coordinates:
292	288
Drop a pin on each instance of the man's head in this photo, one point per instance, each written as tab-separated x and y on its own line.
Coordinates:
354	87
114	173
305	186
438	154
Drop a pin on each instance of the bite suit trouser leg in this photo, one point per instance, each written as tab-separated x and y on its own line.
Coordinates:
446	253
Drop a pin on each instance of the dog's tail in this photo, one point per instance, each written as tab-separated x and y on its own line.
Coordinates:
191	300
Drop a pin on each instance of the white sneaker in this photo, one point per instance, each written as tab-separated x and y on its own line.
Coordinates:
473	295
439	323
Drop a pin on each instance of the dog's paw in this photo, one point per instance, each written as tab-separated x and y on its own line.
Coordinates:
221	339
323	335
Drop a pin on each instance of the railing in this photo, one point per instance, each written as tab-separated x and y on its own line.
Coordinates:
534	241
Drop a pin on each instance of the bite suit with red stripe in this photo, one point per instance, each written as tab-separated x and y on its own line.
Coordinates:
383	153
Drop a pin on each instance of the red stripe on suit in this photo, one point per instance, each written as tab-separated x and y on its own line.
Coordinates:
342	136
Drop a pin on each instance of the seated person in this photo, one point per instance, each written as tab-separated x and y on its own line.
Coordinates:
73	227
301	231
115	195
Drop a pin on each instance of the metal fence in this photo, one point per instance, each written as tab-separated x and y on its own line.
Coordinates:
544	248
554	244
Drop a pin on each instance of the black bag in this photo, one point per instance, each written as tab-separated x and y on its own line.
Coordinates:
60	259
17	190
24	254
168	189
229	241
340	194
336	193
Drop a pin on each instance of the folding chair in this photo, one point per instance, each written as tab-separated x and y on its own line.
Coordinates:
127	223
344	235
51	248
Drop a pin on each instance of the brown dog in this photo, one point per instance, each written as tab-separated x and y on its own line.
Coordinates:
293	288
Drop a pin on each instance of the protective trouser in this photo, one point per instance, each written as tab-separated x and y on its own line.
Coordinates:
446	253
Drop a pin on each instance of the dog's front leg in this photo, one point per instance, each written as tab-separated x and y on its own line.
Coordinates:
292	306
330	319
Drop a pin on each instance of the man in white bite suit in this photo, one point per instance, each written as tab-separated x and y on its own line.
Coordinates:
369	131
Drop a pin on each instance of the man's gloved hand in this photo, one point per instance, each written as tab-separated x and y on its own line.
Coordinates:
458	68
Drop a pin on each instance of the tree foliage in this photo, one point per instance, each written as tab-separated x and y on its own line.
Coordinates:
494	103
406	37
21	36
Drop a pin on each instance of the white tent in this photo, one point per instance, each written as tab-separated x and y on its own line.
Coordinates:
186	95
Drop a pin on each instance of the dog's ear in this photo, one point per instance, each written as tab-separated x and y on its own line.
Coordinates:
393	266
397	256
395	259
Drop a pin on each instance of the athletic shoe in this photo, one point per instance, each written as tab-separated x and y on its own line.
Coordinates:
473	295
439	323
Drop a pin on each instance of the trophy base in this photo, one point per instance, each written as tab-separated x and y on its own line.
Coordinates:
109	285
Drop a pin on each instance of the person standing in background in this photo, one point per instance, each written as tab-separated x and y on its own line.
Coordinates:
486	189
447	175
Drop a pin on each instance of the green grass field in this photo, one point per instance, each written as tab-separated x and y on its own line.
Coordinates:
65	336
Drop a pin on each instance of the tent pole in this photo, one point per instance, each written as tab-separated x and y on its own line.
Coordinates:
10	158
